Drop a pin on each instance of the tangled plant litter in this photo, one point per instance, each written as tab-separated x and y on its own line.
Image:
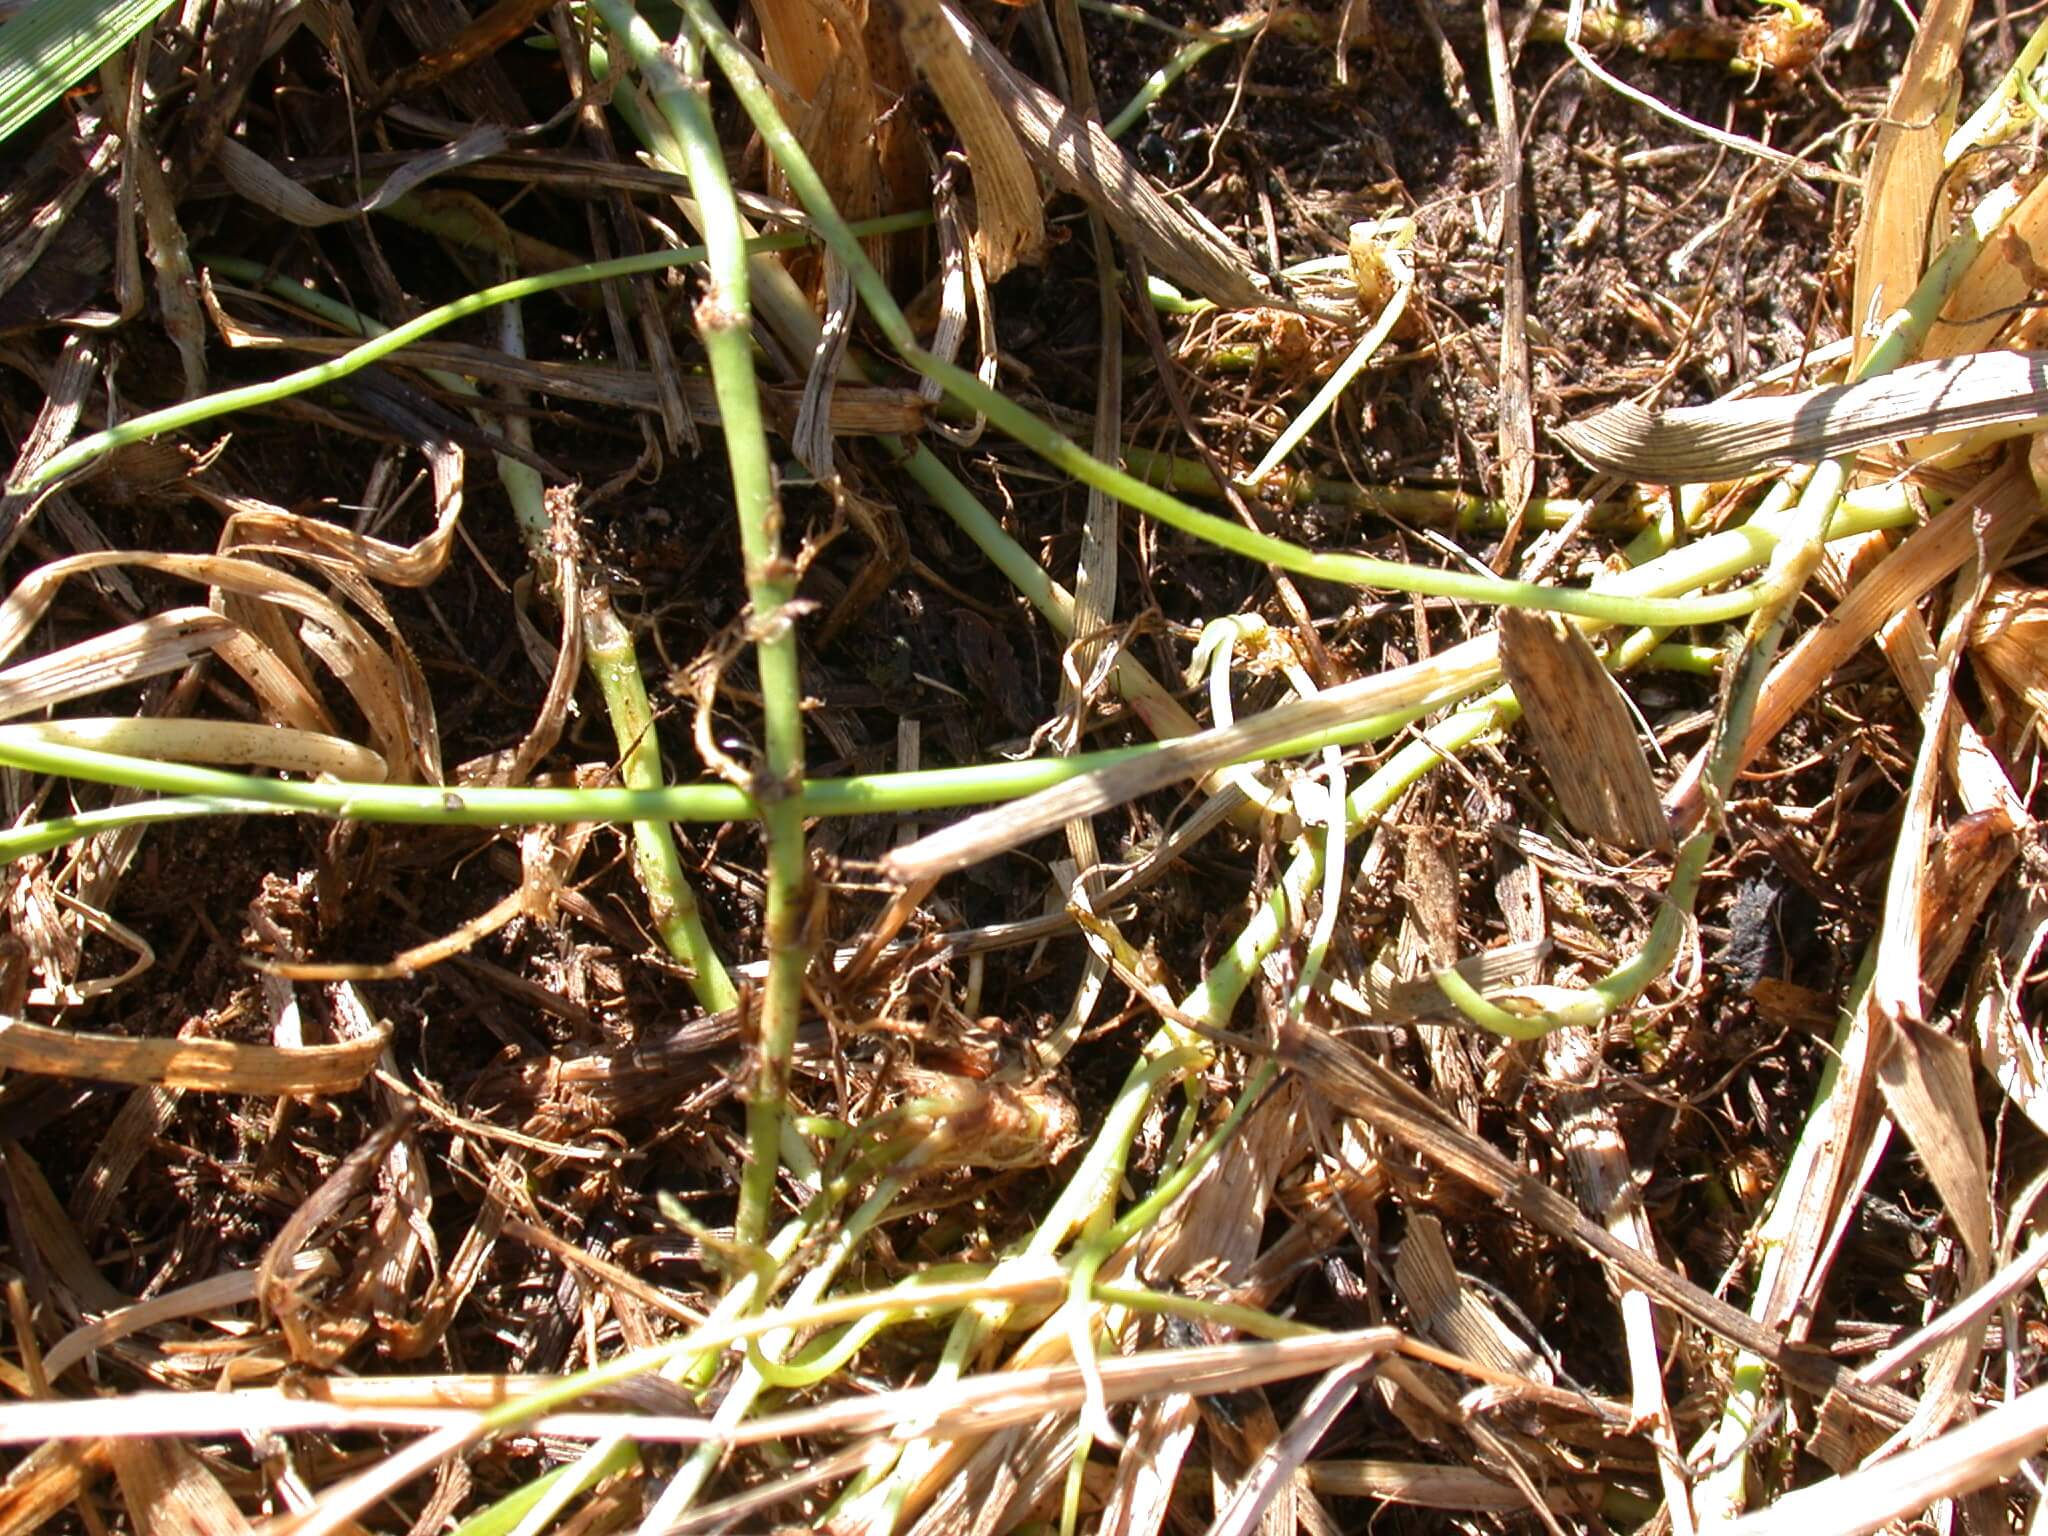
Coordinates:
417	1195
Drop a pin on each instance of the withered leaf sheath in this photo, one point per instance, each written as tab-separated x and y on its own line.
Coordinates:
1699	444
1582	731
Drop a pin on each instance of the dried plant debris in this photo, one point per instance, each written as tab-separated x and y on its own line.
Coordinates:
594	940
1698	444
1581	727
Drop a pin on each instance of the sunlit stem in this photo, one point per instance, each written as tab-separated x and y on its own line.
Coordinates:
724	324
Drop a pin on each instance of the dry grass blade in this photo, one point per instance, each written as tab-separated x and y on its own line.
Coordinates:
1449	1311
49	1238
1705	444
1386	997
1426	1485
1898	983
1976	1455
492	29
1252	1506
2007	1045
46	1482
1516	433
974	1405
1604	1176
1924	1075
384	685
1966	867
212	1294
1440	679
130	654
1993	295
2010	641
63	407
1216	1226
218	1066
1363	1087
1905	175
235	742
168	1489
1927	1084
1011	227
995	1484
843	66
960	275
145	184
1085	161
1966	1313
257	527
1582	730
271	190
1811	1207
1084	668
810	437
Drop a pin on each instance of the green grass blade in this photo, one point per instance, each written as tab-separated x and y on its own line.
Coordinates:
54	44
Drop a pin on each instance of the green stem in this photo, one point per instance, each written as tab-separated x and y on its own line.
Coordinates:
1700	660
1159	709
1716	557
1724	553
220	792
691	1358
1185	58
504	1516
1340	378
1088	1197
1217	1314
726	1327
1437	508
1215	996
611	655
318	375
724	322
747	1386
1129	1226
1060	451
614	662
1093	1188
1999	118
1793	561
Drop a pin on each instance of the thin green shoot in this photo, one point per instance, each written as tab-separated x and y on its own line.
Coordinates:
1717	557
1169	300
222	402
1136	15
883	794
1185	58
1996	119
724	320
1063	453
1793	561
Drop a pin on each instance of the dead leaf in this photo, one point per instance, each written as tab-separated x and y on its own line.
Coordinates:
1582	729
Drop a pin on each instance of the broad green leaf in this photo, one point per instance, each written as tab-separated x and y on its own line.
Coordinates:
54	44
